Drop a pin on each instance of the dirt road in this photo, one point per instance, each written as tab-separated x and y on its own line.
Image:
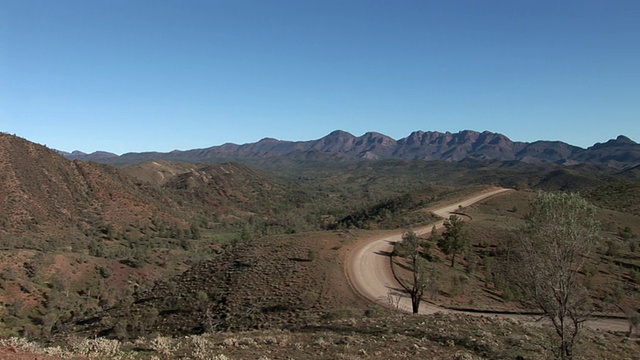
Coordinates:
369	272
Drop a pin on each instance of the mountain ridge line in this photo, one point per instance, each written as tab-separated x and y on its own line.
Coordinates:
619	153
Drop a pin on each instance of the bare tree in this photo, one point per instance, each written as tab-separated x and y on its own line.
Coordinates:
423	276
454	239
551	249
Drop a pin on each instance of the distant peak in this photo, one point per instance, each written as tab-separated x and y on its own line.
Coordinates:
624	140
468	132
268	139
620	140
374	133
340	133
96	155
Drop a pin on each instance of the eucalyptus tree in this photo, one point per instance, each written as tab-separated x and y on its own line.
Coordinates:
423	276
549	252
455	238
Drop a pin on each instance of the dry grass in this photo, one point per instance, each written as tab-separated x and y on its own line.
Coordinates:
387	336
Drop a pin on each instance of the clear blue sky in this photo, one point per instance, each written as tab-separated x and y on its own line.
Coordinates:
142	75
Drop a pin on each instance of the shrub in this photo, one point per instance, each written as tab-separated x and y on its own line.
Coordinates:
308	299
373	311
312	254
94	347
8	274
120	330
626	233
618	292
457	284
162	345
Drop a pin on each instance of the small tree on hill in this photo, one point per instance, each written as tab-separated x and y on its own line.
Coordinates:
455	239
435	236
549	253
195	231
626	233
423	276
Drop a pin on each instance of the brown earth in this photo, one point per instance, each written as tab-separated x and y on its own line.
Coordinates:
297	282
280	281
376	335
369	269
12	353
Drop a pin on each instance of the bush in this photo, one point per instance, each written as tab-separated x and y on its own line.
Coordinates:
120	330
618	292
312	254
374	311
507	294
457	284
511	293
8	274
99	347
308	298
626	233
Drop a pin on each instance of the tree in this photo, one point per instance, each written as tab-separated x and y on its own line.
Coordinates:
626	233
195	231
549	252
247	232
423	276
435	236
454	239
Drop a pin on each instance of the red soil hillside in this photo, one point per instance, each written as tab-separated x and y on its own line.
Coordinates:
43	193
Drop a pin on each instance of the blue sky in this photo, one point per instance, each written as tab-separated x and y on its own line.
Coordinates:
160	75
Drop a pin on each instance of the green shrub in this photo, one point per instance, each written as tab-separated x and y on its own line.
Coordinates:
626	233
374	311
312	254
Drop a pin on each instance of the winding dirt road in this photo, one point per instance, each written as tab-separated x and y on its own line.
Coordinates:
369	271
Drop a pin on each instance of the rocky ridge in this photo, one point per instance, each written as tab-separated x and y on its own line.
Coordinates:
620	153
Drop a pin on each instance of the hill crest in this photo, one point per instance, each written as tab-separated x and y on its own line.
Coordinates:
620	153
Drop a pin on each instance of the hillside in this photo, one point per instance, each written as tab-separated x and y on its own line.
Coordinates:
287	295
45	195
177	249
619	153
75	236
277	282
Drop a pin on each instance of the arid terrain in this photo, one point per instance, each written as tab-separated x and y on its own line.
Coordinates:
214	261
370	274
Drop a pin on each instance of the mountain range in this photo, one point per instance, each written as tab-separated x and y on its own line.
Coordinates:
45	193
620	153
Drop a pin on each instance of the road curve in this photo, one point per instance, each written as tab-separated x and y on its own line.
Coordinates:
368	270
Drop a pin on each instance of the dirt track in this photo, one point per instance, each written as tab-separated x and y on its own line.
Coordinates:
369	271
